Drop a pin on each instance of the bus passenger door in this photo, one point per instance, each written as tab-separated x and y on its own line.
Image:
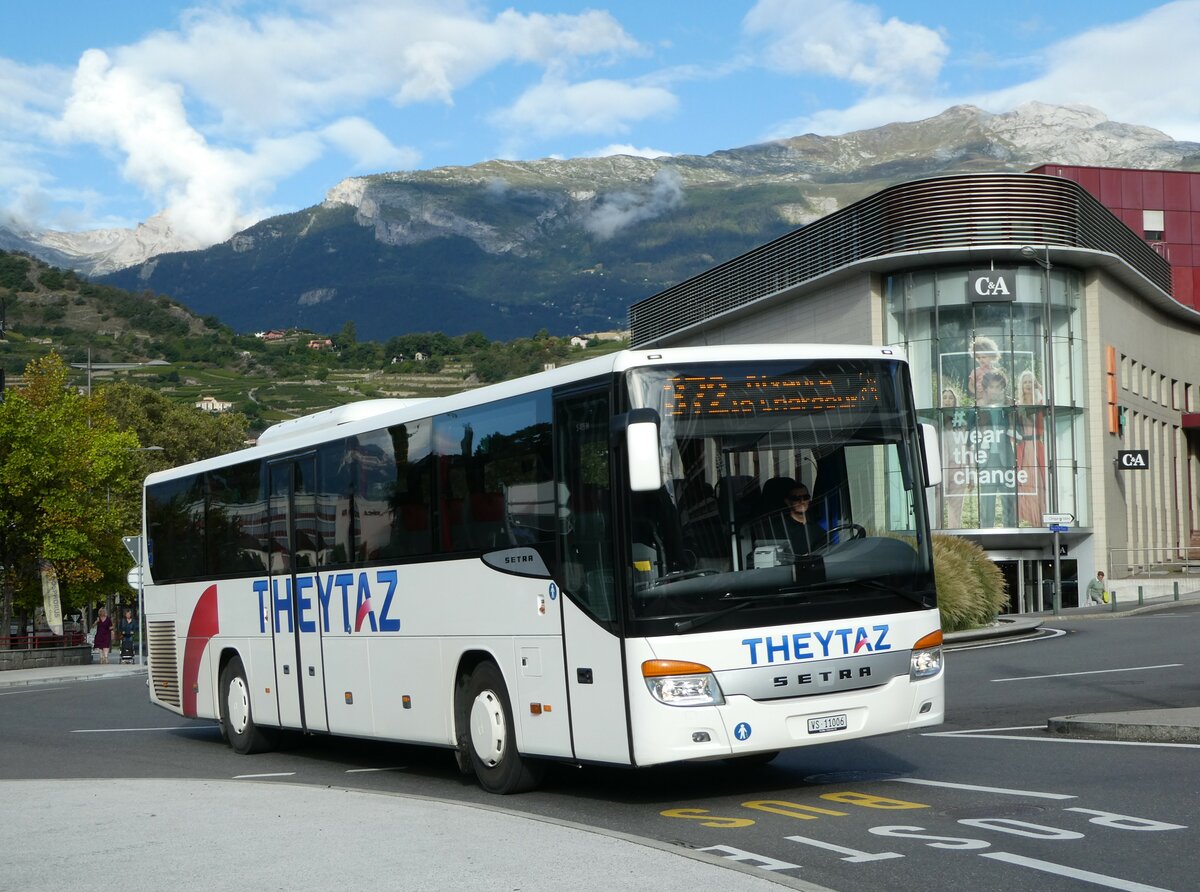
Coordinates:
299	670
592	646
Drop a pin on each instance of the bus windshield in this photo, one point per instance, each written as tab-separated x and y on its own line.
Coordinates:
792	491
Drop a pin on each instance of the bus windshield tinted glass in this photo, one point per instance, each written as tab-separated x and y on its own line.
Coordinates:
786	485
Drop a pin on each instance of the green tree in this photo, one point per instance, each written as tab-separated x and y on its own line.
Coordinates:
184	433
68	477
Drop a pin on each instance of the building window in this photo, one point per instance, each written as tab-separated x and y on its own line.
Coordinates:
1152	225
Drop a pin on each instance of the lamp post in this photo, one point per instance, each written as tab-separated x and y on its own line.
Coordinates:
1047	324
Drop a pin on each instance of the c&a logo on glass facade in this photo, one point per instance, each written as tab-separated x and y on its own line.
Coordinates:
991	284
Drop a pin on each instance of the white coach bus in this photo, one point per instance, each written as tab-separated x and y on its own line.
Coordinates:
601	563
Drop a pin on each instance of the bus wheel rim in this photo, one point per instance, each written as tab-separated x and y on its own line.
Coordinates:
238	705
489	731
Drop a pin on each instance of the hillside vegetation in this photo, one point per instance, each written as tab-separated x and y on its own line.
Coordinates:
158	343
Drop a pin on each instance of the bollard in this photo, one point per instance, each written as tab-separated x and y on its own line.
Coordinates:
1112	607
1175	585
1140	595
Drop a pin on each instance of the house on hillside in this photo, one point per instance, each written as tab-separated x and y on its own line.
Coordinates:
319	343
212	404
273	334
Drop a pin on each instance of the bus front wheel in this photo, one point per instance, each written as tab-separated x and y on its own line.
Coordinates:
237	718
491	742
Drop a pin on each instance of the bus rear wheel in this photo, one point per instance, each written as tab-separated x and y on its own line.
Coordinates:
490	738
237	718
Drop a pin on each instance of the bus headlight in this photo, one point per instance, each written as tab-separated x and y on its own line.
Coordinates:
926	659
680	683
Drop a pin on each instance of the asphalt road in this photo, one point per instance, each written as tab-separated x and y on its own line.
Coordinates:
989	801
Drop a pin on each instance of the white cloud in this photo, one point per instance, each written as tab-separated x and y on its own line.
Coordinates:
283	70
1117	69
370	150
1136	71
848	41
617	210
205	119
555	108
627	149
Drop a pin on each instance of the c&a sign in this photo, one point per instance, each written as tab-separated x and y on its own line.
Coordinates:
991	284
1133	459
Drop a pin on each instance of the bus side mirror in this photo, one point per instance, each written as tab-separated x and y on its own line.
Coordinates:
642	450
932	451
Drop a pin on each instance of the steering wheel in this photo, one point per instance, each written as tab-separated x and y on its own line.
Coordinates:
857	530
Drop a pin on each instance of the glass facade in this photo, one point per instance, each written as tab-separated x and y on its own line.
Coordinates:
1008	400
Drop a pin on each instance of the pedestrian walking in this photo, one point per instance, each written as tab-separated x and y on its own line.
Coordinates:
1096	593
104	634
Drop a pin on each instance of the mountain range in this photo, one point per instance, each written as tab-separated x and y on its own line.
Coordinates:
507	247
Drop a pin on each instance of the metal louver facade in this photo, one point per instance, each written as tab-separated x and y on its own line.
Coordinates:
970	211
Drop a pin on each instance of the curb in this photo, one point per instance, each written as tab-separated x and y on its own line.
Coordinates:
1154	726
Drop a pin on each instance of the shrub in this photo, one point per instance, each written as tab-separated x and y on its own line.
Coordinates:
970	587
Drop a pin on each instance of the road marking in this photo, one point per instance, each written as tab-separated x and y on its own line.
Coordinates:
253	776
1043	635
989	730
1089	672
34	689
364	770
1087	876
978	789
982	734
854	856
127	730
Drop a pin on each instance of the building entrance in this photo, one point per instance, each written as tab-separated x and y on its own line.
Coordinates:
1030	581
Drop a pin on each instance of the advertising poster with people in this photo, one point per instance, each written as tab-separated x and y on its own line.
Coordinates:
993	430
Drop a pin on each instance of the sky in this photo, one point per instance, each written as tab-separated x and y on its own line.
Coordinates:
218	113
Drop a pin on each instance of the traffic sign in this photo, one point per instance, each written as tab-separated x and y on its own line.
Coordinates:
134	578
1058	528
133	544
1049	519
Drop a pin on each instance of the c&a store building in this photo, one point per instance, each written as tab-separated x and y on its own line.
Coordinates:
1045	342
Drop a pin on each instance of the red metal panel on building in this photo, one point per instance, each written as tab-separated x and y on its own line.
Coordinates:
1110	189
1177	194
1152	189
1177	229
1131	189
1089	178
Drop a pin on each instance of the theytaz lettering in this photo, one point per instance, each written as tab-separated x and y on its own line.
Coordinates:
818	644
314	595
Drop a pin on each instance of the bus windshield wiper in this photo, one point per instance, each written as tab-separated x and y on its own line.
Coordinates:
874	585
686	625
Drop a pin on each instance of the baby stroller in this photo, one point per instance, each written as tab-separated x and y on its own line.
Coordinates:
127	649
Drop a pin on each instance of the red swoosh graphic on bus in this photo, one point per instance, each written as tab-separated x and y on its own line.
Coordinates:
203	627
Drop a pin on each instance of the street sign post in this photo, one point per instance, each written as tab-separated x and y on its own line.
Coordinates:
133	544
1059	528
1051	519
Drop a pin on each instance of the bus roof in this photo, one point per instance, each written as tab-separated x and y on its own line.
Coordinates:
367	415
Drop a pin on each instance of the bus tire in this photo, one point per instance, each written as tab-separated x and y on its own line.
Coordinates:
490	735
237	718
